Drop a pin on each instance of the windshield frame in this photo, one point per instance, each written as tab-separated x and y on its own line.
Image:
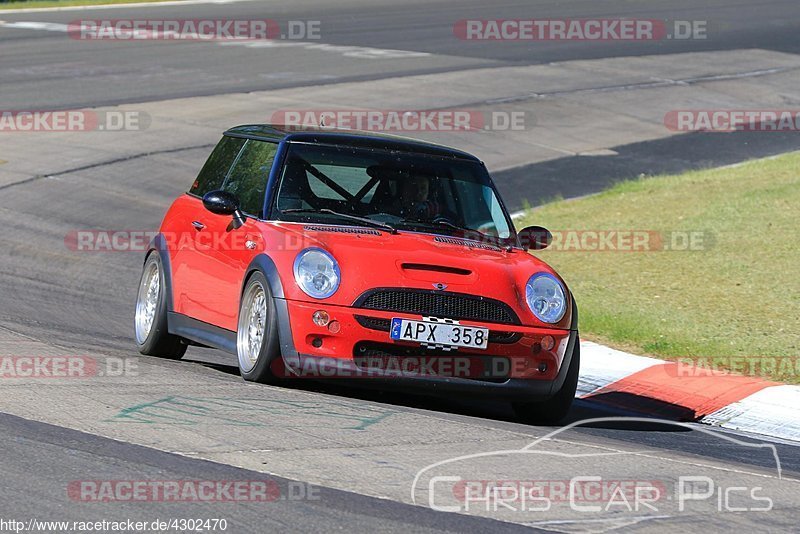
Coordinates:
418	227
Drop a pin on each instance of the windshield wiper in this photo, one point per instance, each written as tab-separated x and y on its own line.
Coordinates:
355	218
456	227
441	222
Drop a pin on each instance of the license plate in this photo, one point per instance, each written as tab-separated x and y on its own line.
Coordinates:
439	332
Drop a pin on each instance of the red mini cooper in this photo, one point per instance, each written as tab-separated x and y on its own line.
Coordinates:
384	261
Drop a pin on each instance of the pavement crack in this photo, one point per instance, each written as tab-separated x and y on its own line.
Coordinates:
104	163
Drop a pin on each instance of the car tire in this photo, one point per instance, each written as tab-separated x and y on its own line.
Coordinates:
150	317
257	342
554	409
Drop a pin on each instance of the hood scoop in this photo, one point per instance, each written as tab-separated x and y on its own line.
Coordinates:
341	229
441	269
467	243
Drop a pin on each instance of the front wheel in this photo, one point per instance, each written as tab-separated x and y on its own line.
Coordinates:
555	408
150	322
257	343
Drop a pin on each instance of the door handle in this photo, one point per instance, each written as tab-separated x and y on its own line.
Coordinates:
198	225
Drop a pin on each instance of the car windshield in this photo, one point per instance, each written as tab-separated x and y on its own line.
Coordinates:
400	190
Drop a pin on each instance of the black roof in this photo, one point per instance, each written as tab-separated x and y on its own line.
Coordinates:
333	136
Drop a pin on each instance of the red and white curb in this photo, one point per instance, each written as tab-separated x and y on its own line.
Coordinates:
627	382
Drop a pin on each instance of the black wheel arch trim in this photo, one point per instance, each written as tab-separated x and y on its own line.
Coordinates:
214	336
264	263
573	336
159	245
266	266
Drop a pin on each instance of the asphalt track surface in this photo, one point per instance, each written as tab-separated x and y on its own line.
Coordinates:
83	303
43	494
43	68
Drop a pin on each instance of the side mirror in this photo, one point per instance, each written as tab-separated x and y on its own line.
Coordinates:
221	202
224	203
535	238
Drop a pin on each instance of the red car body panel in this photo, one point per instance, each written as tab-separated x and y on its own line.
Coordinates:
209	268
208	265
209	259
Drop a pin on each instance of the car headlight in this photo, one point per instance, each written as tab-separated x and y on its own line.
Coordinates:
317	273
546	297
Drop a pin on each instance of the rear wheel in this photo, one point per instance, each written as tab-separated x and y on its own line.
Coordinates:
555	408
150	320
257	334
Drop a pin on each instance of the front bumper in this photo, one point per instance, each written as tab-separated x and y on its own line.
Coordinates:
520	362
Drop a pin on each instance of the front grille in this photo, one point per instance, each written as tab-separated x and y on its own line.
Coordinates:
402	360
384	325
505	338
438	304
374	323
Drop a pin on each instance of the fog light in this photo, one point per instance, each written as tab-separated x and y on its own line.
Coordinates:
542	367
316	342
334	327
548	342
320	318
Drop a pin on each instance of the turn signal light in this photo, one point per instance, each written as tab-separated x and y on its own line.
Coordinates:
321	318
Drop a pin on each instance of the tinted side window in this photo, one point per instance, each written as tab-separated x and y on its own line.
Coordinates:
248	178
216	168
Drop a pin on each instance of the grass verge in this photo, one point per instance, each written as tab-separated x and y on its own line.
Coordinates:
733	298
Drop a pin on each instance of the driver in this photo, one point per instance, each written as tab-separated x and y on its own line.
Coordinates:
415	201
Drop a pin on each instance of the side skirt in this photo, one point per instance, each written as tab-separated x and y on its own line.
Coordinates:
200	332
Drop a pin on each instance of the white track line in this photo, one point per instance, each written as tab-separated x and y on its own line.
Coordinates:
601	366
41	26
361	52
345	50
774	411
121	6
